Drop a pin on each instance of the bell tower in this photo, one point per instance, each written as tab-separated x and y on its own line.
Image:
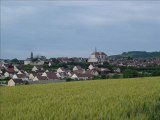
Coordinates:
31	55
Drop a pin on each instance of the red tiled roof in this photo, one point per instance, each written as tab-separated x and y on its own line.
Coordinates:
21	75
52	75
41	77
11	70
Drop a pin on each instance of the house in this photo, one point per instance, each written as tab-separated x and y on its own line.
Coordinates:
81	71
27	61
1	76
34	68
117	70
32	76
61	69
92	72
26	73
5	65
39	77
62	75
102	71
78	76
77	68
1	72
91	67
97	57
50	75
6	74
49	64
37	69
20	76
64	59
15	68
44	74
19	72
14	82
70	73
9	72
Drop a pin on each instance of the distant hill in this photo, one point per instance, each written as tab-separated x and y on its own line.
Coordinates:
138	54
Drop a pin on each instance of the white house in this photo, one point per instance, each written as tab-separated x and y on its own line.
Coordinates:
6	74
31	76
81	76
62	75
13	82
61	69
15	68
92	72
49	64
19	72
27	61
77	68
39	77
91	67
1	72
20	76
44	74
69	74
34	68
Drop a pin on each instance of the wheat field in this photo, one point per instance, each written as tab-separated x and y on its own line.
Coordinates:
122	99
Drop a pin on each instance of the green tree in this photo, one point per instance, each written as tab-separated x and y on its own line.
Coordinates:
15	61
129	73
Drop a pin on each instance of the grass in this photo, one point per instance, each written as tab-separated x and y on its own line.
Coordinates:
122	99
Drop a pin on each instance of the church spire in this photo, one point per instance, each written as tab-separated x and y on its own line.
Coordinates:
31	55
95	49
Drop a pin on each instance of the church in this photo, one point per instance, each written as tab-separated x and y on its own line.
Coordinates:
98	57
34	61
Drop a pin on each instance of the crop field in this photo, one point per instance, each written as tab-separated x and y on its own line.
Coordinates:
121	99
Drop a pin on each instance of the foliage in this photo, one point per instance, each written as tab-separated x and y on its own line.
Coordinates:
129	73
134	99
27	67
106	65
138	54
116	76
5	80
15	61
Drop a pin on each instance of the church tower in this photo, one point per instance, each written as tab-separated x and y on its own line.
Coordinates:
31	55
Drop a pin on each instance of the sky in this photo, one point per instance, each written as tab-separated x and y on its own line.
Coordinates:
74	29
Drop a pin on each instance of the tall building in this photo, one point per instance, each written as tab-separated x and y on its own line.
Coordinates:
34	60
31	55
97	57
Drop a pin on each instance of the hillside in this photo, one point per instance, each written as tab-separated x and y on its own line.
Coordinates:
138	54
91	100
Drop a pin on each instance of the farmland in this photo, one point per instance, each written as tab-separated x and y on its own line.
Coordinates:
122	99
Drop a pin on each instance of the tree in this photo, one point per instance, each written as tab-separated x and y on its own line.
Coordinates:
129	73
15	61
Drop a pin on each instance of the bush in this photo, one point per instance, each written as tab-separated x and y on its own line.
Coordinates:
128	73
116	76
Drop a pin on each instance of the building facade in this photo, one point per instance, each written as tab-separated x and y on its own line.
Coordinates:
98	57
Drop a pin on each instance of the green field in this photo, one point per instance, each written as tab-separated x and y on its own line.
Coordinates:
123	99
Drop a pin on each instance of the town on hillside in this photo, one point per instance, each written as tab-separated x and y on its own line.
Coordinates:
40	70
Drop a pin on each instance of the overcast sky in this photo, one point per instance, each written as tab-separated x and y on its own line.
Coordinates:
55	29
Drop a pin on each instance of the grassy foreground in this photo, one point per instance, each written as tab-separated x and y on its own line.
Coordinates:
135	99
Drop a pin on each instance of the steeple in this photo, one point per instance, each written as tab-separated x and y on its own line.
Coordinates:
95	49
31	55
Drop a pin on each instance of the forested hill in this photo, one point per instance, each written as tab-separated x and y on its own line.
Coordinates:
138	54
